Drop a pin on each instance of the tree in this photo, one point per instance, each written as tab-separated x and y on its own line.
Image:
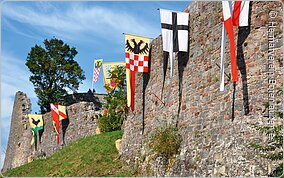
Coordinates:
117	76
53	70
116	107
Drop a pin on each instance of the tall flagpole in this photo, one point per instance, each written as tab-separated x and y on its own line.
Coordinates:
93	77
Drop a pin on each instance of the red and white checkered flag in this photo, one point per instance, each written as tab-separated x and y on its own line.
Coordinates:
136	63
136	53
96	74
97	66
137	60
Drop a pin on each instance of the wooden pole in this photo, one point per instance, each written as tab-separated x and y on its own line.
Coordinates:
93	77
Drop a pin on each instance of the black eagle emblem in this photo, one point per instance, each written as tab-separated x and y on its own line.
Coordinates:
98	64
137	47
35	122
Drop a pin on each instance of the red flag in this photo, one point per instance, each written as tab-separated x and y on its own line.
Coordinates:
58	113
56	120
132	87
228	24
235	13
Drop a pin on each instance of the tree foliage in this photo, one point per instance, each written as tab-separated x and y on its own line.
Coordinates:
53	70
117	76
116	107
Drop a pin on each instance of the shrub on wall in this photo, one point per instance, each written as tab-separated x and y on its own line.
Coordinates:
165	142
274	149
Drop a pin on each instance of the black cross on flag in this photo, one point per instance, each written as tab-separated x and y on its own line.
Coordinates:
174	27
174	35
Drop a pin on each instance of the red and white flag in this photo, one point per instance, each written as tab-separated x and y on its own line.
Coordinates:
235	13
97	66
58	113
240	13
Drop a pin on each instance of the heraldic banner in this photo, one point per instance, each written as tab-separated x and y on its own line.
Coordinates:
107	67
58	113
36	124
136	59
97	66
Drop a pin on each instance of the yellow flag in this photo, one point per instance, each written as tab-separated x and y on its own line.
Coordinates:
136	60
138	45
33	139
36	121
62	112
109	66
137	53
98	63
36	124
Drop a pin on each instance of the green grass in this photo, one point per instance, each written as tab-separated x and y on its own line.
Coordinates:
91	156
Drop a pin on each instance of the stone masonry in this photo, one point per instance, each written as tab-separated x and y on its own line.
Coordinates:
18	144
213	144
82	116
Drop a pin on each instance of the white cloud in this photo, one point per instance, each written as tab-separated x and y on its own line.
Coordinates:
14	77
21	32
76	20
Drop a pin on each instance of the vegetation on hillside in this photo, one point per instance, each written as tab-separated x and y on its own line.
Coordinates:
91	156
53	70
116	108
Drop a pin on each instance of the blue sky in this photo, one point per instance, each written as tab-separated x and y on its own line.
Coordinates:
93	28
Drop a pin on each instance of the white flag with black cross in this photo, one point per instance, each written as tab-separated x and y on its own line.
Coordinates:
174	34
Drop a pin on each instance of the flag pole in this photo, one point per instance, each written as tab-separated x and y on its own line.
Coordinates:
137	35
93	77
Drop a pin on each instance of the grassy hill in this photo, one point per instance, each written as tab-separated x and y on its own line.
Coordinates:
91	156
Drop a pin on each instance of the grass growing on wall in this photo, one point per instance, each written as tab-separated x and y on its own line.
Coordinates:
165	142
91	156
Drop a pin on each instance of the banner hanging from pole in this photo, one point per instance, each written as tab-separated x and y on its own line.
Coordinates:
108	79
97	66
58	113
96	71
175	38
136	58
235	13
36	124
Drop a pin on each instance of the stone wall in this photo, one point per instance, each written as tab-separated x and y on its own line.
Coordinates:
83	122
213	144
82	116
18	144
87	97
